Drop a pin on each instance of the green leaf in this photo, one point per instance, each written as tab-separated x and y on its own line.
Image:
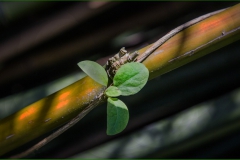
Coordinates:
117	116
131	78
95	71
112	91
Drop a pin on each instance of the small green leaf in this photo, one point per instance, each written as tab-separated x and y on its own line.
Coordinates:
130	78
95	71
117	116
113	91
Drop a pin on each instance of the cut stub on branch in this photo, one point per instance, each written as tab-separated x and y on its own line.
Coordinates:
121	58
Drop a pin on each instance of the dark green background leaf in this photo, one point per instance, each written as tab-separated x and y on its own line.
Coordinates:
113	91
95	71
131	78
117	116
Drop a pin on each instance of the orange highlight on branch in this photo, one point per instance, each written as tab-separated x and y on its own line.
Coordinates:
27	113
64	95
61	104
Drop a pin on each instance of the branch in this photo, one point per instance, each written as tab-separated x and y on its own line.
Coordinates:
52	136
173	32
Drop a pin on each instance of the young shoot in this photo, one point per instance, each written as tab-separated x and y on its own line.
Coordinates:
129	79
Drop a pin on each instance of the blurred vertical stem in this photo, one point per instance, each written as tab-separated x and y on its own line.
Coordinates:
55	110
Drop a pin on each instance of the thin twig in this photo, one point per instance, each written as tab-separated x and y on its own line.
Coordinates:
172	33
71	123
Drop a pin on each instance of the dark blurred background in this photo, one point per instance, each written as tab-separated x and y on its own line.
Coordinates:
191	112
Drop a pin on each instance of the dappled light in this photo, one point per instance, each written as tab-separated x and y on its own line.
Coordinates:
27	113
62	100
61	104
64	95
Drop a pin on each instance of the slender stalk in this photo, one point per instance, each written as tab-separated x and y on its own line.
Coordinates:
173	32
65	127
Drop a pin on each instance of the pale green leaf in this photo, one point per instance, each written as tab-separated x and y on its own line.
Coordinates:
95	71
131	78
112	91
117	116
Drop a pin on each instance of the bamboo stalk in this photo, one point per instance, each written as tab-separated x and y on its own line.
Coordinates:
58	108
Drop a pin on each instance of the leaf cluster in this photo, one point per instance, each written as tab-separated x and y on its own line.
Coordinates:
129	79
